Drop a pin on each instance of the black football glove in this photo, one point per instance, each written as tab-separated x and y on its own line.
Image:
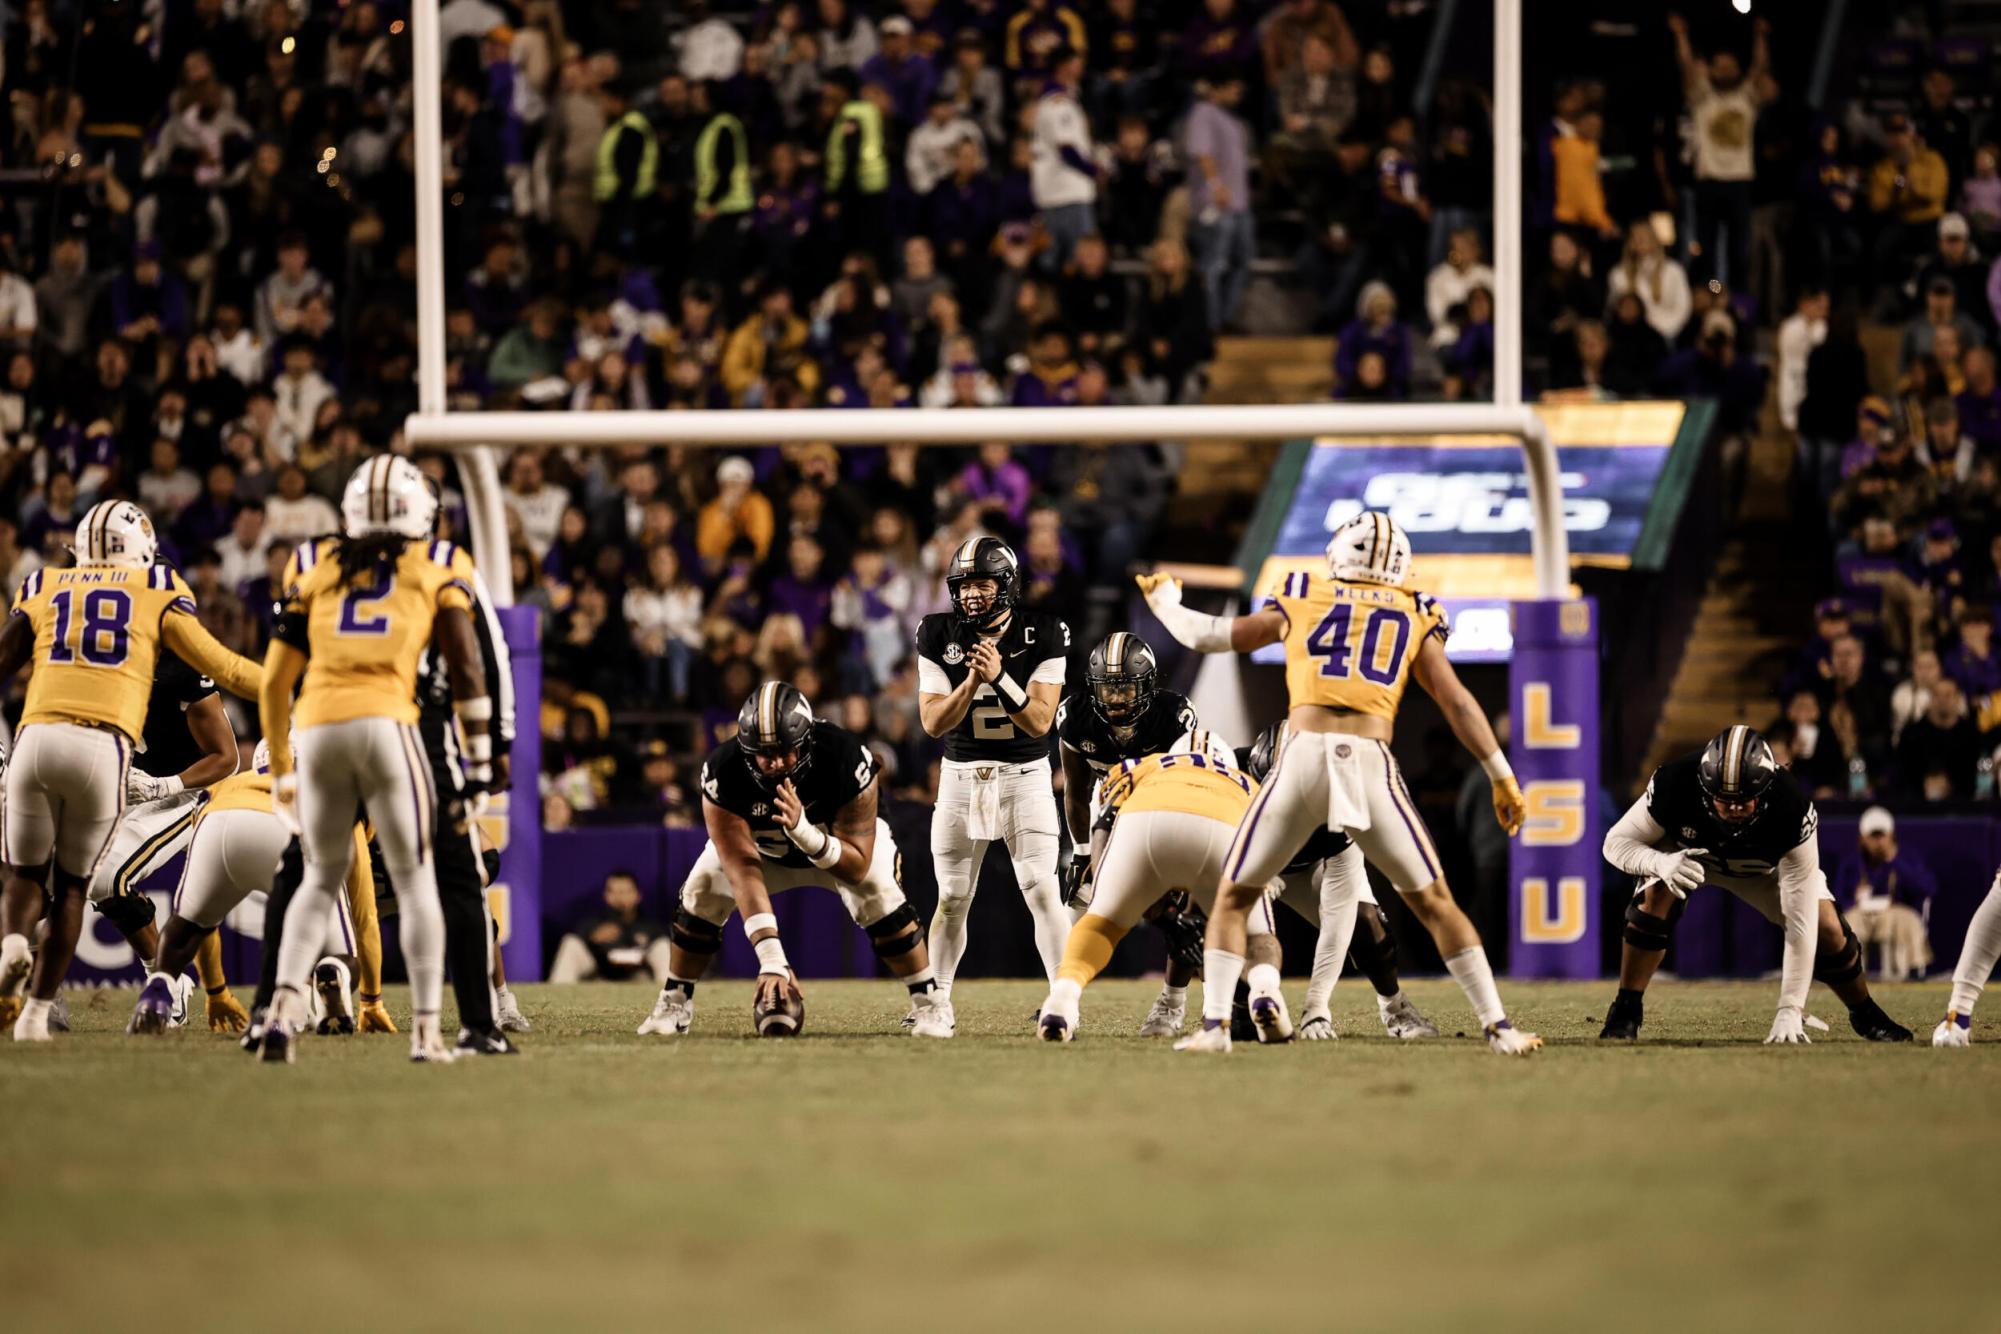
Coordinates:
1185	927
1076	878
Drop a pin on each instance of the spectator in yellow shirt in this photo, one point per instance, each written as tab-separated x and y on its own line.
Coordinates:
1907	191
738	513
1580	190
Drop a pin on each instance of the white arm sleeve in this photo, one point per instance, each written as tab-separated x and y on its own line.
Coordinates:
1192	629
1800	883
931	678
1629	843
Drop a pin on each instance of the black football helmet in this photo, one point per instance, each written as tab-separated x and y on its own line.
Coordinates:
1121	675
983	558
1264	751
1736	768
775	719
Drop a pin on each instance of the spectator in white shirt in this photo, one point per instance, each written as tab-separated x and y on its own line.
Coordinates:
711	48
282	296
1464	269
1062	177
535	502
299	391
17	304
928	158
1803	331
665	617
242	549
847	38
238	348
293	513
1913	696
166	487
1653	276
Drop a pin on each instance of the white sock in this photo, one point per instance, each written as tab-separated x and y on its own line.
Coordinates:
1065	991
1469	969
1384	1002
1978	955
1220	971
1330	951
947	940
305	930
12	948
421	928
1262	979
32	1009
1052	924
1174	995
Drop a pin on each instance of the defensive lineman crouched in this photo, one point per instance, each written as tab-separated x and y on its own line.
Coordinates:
988	679
1730	816
1353	638
791	801
1167	822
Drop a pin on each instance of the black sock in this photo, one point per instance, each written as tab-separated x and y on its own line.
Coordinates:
920	988
1627	996
687	988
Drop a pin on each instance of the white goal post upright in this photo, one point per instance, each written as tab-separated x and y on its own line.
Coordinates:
475	435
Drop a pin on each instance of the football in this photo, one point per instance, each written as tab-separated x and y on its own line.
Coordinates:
779	1012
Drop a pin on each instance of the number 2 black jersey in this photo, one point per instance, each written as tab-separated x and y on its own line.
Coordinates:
839	766
1786	818
1083	729
169	746
1036	647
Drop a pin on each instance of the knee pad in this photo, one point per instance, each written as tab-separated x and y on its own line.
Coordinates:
895	934
694	935
128	912
1645	931
1845	965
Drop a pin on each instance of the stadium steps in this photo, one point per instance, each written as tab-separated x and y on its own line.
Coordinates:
1254	370
1739	645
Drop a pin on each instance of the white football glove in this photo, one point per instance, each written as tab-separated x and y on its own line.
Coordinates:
1788	1026
140	787
285	803
1160	590
1955	1030
1681	871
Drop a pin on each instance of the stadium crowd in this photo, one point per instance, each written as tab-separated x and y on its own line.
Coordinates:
207	278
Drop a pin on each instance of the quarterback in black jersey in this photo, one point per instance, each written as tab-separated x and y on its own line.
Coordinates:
790	801
188	746
1730	816
989	675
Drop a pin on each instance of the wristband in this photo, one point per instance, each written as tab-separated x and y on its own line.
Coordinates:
771	956
763	921
1496	766
172	785
829	856
479	747
1012	695
475	712
809	839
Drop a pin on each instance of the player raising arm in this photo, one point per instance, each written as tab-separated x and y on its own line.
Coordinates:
1730	816
1353	639
94	633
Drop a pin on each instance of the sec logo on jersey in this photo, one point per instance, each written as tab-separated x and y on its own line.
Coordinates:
954	655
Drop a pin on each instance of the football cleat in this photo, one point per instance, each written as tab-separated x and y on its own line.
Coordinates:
1318	1026
334	1008
33	1025
14	966
427	1045
59	1014
1402	1020
507	1013
1872	1025
253	1033
931	1015
1054	1027
492	1042
153	1015
1166	1017
1506	1040
279	1045
672	1013
1623	1020
1955	1030
184	994
1209	1037
1269	1017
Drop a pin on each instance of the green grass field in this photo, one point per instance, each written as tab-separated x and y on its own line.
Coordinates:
856	1179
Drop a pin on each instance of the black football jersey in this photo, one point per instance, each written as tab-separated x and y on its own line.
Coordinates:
1033	639
169	746
1083	729
838	768
1786	818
